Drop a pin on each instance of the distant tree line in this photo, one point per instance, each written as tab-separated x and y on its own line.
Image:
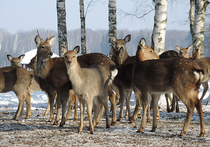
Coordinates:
97	41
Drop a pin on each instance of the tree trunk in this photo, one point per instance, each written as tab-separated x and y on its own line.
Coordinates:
83	32
112	23
62	31
191	17
199	24
159	29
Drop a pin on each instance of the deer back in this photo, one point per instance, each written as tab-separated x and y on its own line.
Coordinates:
170	54
13	78
164	75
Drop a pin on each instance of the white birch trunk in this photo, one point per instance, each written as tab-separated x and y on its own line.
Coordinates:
199	24
159	29
62	31
191	17
112	23
83	32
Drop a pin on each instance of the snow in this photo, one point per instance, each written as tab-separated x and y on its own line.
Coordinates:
30	54
37	131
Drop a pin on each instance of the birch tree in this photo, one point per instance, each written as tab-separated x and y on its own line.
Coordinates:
159	29
62	31
197	22
83	31
112	23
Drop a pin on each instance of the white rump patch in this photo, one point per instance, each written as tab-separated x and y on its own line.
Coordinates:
197	75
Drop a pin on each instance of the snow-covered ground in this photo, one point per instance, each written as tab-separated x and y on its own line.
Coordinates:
37	131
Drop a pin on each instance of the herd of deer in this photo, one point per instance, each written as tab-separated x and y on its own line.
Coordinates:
93	77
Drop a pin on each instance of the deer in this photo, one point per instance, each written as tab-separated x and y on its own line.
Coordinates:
123	80
180	76
18	80
203	63
53	71
73	101
174	100
90	85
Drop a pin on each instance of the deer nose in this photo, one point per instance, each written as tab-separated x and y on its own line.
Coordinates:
69	62
51	53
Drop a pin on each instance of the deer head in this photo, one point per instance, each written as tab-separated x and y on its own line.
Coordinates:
44	47
15	61
144	52
184	51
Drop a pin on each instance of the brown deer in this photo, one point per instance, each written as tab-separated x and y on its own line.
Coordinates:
177	75
123	80
15	61
73	101
90	85
184	51
203	63
53	71
174	100
18	80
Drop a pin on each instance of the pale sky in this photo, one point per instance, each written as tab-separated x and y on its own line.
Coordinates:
17	15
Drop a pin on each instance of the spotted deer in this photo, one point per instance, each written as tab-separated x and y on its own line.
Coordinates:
73	101
180	76
18	80
53	71
90	85
204	64
174	100
123	80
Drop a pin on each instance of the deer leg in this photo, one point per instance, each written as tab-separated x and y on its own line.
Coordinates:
206	87
65	97
82	107
76	108
113	105
105	104
51	95
98	111
71	101
168	106
154	105
58	101
145	100
28	105
22	110
21	101
198	106
128	100
89	111
122	96
137	107
188	101
177	103
48	105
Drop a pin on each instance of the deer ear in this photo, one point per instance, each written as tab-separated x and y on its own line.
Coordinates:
178	48
52	40
189	48
63	50
76	49
9	57
21	57
37	40
121	52
113	39
127	38
142	43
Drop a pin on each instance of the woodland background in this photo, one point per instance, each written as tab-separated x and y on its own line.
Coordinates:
97	41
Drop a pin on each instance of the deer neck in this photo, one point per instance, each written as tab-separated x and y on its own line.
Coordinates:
76	73
125	55
43	68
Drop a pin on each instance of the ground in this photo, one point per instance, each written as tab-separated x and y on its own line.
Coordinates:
37	131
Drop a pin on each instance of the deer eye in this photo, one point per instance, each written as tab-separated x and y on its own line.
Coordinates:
73	56
43	47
